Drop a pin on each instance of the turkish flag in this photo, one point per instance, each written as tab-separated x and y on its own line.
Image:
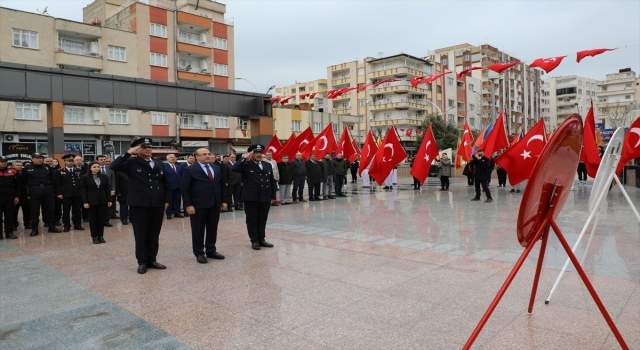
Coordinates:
418	132
385	81
369	149
590	155
324	143
630	146
363	87
390	154
284	100
275	99
467	140
289	148
427	152
501	67
345	146
547	64
416	80
520	159
433	78
312	95
274	145
465	71
497	139
355	146
303	96
303	140
582	54
408	133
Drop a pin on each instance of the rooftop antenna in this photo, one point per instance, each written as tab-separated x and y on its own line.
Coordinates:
45	11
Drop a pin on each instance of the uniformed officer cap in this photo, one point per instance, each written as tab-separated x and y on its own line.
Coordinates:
4	159
143	141
256	148
36	155
68	156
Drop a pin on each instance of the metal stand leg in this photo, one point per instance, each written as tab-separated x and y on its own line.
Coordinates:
543	247
626	195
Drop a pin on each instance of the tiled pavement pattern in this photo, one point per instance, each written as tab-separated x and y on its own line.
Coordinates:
397	269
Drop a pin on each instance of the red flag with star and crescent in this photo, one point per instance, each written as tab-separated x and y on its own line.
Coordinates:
520	158
590	155
424	157
390	154
630	146
325	142
345	146
302	141
369	149
547	64
497	138
289	148
582	54
274	145
467	140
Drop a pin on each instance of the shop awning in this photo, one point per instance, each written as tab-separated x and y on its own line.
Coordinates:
165	151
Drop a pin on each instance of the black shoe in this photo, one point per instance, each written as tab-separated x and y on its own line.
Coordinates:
34	232
475	199
512	190
179	215
101	239
78	227
215	255
169	217
27	226
265	244
58	223
201	259
255	246
385	188
46	224
518	191
96	240
312	199
125	222
186	215
342	195
66	229
108	224
489	200
275	204
142	268
331	197
15	228
10	235
156	265
53	229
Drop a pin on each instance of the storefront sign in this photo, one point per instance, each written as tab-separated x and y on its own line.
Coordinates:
88	149
72	148
195	144
16	151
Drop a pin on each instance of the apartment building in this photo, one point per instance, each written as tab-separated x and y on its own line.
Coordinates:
516	90
618	99
317	104
126	38
287	120
565	95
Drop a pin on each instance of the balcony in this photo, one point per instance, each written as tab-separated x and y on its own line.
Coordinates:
401	104
339	67
341	81
398	87
396	72
195	77
397	120
567	103
83	60
196	130
199	48
629	91
78	30
346	96
341	110
192	20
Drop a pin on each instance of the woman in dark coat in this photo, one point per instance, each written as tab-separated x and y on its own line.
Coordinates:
468	172
96	197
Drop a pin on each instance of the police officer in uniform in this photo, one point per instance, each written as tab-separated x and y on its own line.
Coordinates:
258	194
148	197
40	179
9	196
68	190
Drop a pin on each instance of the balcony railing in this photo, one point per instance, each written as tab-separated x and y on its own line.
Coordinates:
79	52
194	70
195	42
195	127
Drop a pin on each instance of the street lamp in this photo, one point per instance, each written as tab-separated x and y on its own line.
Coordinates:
271	88
254	85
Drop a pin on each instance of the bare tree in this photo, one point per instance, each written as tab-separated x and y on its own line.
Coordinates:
617	114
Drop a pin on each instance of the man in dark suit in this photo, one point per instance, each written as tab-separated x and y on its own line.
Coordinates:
106	169
234	182
78	163
122	190
204	190
68	190
258	194
173	173
314	177
147	199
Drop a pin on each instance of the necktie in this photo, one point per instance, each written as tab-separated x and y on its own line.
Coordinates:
103	170
209	172
174	168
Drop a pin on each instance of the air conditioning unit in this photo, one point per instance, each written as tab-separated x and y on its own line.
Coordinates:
10	138
97	116
205	119
94	49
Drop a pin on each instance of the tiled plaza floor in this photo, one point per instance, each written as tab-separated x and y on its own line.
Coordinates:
396	269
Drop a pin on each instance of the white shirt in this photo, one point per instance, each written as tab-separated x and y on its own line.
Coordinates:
204	168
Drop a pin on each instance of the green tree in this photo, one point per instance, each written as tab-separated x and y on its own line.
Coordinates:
446	134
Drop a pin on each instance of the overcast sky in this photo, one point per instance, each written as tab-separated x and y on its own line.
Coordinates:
280	42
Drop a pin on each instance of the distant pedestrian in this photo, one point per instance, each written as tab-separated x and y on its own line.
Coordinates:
96	198
445	171
287	176
481	166
300	171
9	197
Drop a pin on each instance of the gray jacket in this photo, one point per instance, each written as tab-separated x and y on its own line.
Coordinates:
445	167
329	170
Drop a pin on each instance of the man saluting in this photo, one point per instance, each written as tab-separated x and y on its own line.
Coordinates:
258	194
148	197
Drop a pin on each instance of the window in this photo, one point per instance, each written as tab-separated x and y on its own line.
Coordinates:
118	116
449	81
450	116
627	97
472	121
362	102
546	93
593	93
461	106
626	86
472	107
387	116
220	69
74	115
25	38
580	91
293	91
219	43
335	128
274	124
28	111
158	30
310	87
588	93
460	85
439	103
360	71
471	87
295	125
579	82
302	89
223	122
466	58
444	61
322	86
317	127
71	46
439	89
159	118
117	53
450	103
158	59
187	121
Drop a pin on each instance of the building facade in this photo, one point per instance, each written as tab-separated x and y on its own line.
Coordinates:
316	104
618	99
150	40
565	95
287	121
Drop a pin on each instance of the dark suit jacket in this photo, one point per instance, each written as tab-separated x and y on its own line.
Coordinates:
147	187
93	194
259	185
199	191
68	183
122	186
314	172
233	178
173	178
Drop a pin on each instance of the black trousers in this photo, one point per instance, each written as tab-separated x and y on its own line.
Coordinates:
25	205
256	214
96	219
174	202
416	183
314	190
444	182
233	195
124	212
73	205
113	210
146	222
582	172
204	220
482	181
354	175
470	180
42	196
57	212
502	176
340	180
298	188
6	210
